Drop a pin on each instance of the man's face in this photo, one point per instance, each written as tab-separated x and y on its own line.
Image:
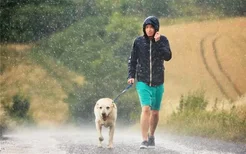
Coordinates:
150	31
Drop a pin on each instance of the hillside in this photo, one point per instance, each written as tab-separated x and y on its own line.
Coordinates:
46	88
209	56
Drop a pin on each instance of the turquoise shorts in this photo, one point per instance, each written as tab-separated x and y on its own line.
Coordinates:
150	96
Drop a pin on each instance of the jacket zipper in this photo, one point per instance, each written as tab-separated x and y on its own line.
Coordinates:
150	63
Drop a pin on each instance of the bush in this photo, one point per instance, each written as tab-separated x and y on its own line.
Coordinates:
193	102
31	22
193	119
183	8
20	107
224	7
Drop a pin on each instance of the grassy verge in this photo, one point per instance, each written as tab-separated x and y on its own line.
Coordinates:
2	121
192	119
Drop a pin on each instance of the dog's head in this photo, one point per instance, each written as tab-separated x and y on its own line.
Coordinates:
105	107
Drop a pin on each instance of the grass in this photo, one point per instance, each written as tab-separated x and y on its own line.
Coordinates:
186	71
229	125
2	120
46	84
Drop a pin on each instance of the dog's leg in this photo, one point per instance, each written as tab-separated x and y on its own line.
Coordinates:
99	131
111	136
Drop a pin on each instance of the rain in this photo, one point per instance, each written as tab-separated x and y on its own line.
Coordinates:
58	57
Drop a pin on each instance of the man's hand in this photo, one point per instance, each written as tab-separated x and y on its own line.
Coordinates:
130	81
157	36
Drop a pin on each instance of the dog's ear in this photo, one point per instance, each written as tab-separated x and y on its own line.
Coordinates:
113	105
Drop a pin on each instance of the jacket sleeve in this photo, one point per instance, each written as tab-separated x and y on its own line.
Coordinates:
132	61
163	47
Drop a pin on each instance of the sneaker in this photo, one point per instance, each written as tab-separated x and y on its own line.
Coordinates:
151	142
144	145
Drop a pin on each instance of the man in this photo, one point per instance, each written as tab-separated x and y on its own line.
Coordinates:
147	63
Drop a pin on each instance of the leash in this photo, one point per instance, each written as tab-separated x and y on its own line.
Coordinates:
128	87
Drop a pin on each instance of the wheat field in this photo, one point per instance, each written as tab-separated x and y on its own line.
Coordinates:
209	56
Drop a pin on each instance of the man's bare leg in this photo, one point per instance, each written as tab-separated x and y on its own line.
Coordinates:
154	118
145	116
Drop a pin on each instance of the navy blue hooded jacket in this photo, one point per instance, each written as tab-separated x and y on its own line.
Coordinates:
147	56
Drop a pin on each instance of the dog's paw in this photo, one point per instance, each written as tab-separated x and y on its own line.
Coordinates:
101	139
99	145
110	146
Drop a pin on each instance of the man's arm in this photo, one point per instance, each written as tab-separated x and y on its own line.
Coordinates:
163	47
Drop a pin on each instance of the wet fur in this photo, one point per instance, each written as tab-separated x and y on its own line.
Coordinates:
105	115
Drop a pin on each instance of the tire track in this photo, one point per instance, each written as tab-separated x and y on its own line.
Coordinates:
202	50
215	50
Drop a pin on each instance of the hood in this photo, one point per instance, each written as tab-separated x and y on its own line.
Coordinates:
153	21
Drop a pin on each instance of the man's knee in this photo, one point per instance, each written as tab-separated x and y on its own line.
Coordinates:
155	113
146	110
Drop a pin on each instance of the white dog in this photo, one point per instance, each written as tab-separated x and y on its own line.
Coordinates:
105	115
